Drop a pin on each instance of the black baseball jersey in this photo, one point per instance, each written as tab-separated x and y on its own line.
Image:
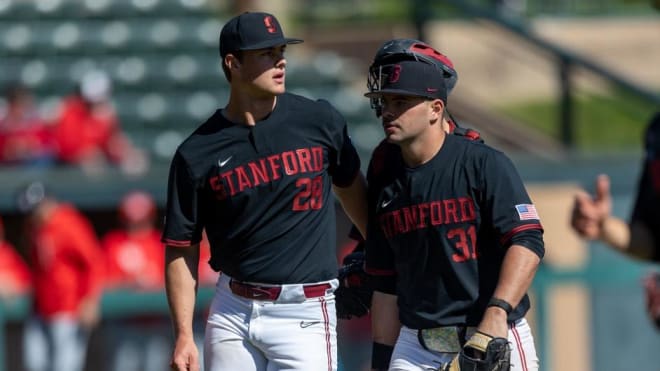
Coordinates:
647	205
442	230
263	193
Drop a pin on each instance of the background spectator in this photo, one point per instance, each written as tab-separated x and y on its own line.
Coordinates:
14	272
88	132
24	136
67	268
134	257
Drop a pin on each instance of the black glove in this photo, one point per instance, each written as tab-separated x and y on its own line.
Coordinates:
482	352
353	296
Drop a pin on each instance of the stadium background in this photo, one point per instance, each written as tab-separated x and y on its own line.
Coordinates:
567	64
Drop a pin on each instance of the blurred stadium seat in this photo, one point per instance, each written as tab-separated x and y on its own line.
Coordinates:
161	54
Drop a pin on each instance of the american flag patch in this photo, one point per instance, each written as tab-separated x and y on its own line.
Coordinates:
527	212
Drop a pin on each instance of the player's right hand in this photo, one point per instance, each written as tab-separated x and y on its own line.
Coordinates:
185	356
589	213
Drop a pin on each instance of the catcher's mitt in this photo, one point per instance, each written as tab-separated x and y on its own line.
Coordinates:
482	353
353	296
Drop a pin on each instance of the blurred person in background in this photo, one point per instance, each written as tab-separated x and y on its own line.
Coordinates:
15	278
640	238
134	261
88	132
25	138
67	270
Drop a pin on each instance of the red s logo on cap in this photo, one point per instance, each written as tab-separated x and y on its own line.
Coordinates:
270	26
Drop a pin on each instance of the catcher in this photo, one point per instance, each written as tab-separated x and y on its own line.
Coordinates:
353	296
453	240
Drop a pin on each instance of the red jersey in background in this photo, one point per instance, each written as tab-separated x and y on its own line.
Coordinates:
67	263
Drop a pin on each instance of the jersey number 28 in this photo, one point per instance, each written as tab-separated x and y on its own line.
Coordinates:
310	196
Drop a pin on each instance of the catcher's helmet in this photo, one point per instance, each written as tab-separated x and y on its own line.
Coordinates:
408	49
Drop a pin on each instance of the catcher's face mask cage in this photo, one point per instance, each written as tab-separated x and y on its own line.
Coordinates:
407	49
374	82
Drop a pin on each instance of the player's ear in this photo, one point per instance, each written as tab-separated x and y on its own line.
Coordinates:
438	108
232	61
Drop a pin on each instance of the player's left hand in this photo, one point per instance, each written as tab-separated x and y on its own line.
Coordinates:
494	323
482	352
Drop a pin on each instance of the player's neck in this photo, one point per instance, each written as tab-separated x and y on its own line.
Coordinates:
246	110
423	148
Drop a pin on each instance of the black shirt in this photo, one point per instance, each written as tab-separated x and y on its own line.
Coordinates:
443	228
647	205
263	192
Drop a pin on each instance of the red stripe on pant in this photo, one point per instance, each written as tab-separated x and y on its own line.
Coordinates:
328	343
521	350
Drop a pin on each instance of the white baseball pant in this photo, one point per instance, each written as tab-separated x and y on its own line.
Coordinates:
296	330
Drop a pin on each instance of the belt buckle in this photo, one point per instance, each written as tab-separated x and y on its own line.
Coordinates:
258	293
444	339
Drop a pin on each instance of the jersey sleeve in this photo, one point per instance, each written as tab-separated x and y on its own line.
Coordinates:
646	209
508	206
344	159
183	224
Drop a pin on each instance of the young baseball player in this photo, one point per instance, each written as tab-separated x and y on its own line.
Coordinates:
258	176
453	238
640	238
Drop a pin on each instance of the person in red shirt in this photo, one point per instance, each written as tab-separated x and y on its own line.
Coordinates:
134	261
88	132
67	271
25	138
134	253
14	272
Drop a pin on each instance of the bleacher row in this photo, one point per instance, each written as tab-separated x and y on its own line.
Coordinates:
162	56
78	9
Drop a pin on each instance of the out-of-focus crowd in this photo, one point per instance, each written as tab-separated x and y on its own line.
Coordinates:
83	130
65	267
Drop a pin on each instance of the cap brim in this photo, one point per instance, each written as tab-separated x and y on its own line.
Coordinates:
378	93
270	43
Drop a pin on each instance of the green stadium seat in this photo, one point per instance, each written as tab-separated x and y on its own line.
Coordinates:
16	37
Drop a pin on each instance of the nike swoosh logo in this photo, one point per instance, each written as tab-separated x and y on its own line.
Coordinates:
431	90
385	203
304	324
223	163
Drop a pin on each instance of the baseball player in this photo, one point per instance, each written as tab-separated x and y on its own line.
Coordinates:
353	296
258	176
453	238
640	238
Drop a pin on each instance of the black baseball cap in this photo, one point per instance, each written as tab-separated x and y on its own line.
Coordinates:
251	31
410	78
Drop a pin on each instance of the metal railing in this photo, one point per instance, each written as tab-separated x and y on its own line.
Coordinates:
566	60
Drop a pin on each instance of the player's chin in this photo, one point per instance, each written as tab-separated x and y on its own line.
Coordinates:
392	138
278	89
392	135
